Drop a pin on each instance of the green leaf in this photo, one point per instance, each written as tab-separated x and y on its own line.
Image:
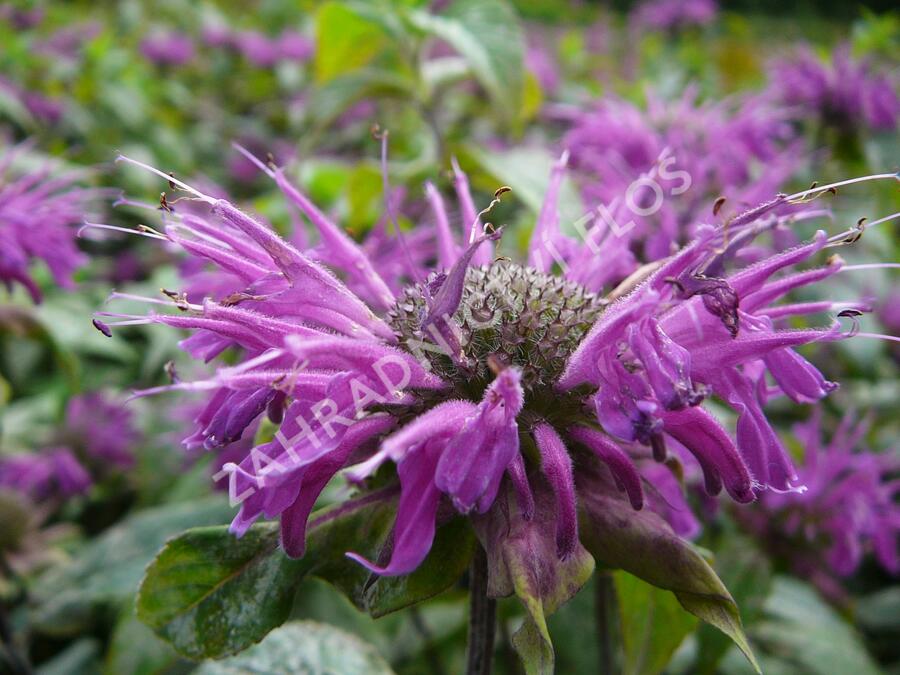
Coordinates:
304	647
488	35
109	569
446	562
211	595
23	331
444	71
346	39
527	172
806	631
532	98
642	543
653	625
364	196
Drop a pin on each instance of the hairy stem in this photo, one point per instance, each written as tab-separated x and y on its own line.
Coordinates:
482	618
606	608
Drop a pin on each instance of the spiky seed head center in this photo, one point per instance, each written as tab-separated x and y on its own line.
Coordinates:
509	315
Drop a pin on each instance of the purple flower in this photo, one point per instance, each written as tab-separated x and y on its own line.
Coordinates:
889	311
67	43
295	46
541	62
50	474
844	93
43	108
849	509
168	48
652	176
244	170
22	19
38	209
670	15
259	49
483	385
96	437
217	35
101	431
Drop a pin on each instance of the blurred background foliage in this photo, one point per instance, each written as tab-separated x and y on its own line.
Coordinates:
175	82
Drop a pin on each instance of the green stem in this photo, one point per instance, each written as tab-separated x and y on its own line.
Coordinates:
606	608
482	618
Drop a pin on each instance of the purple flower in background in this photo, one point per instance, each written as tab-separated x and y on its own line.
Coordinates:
21	19
53	473
42	108
849	509
541	62
259	49
598	36
295	46
67	43
654	175
96	437
671	15
889	311
46	109
38	209
168	48
243	170
217	35
450	378
844	93
101	431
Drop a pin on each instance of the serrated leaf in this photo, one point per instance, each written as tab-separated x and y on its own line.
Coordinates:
652	622
211	595
304	648
109	569
488	35
642	543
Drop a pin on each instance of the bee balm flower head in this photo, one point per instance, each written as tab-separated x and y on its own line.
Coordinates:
489	387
